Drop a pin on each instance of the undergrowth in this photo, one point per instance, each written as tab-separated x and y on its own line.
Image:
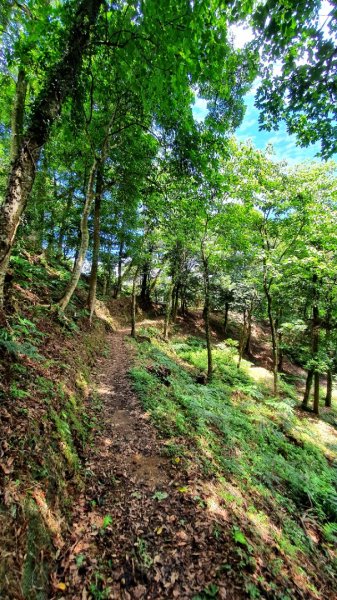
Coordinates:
44	374
271	466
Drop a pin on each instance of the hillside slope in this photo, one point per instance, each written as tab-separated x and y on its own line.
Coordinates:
122	477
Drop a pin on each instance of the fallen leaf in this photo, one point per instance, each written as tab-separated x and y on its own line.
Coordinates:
61	586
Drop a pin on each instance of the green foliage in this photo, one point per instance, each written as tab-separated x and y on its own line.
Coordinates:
242	435
211	591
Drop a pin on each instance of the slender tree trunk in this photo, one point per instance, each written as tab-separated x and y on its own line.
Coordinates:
315	343
63	227
206	313
118	287
57	86
243	337
175	302
274	339
308	384
154	282
225	323
328	327
84	241
134	304
145	300
249	328
18	113
316	393
328	396
96	239
168	311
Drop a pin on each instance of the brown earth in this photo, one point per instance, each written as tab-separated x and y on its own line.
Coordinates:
135	529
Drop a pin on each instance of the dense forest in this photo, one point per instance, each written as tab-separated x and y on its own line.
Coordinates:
204	465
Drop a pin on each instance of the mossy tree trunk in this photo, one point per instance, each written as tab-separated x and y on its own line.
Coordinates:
57	86
18	113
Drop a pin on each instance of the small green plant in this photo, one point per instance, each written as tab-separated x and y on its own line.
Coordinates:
239	537
106	521
160	495
80	560
211	591
144	558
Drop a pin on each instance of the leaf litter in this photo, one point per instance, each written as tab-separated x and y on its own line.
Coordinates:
137	529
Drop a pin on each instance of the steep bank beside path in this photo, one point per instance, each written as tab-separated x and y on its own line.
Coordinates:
135	532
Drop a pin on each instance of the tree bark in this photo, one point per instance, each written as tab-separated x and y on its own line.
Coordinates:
84	241
206	314
308	384
18	114
96	239
315	342
274	339
328	396
316	393
145	299
63	227
225	323
134	305
118	287
168	311
58	85
175	302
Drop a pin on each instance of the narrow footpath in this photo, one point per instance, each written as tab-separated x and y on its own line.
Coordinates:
136	533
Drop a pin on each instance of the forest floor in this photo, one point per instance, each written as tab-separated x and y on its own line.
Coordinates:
154	521
135	532
121	477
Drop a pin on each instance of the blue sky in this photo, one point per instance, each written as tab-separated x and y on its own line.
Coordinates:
284	145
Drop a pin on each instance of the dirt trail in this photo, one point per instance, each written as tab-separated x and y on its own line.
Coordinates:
136	532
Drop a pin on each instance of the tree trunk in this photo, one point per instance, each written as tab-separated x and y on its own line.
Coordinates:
175	301
274	339
249	329
242	342
206	315
145	300
63	227
118	287
168	311
84	241
308	384
328	396
316	393
18	115
328	328
315	343
134	305
225	323
96	239
57	86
